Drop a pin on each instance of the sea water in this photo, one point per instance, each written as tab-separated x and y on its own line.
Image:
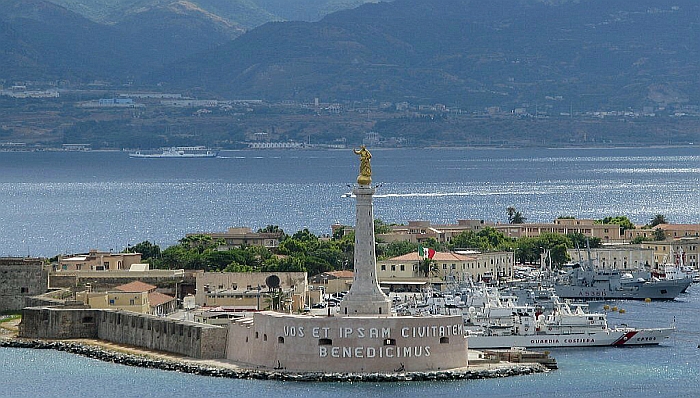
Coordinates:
60	202
70	202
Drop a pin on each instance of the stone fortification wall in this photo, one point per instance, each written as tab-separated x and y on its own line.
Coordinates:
50	323
142	330
348	344
20	278
163	334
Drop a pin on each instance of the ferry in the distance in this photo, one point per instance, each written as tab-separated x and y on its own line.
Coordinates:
179	152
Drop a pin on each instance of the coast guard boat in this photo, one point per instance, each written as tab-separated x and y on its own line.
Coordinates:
503	324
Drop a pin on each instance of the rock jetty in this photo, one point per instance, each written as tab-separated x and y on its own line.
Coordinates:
185	366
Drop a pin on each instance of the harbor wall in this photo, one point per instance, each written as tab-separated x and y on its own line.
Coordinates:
141	330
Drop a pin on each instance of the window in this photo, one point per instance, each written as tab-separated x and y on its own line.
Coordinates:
403	267
393	267
383	267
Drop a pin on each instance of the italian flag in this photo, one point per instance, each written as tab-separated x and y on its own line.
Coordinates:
426	252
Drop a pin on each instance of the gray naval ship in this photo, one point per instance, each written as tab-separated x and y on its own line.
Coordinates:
588	283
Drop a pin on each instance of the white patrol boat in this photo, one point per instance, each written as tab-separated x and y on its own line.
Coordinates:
501	324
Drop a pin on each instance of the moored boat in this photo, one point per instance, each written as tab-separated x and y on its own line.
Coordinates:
181	152
585	283
568	325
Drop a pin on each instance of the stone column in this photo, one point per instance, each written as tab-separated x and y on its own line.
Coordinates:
365	297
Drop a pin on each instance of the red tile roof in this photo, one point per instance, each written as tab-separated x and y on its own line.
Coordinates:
136	287
155	299
341	274
439	256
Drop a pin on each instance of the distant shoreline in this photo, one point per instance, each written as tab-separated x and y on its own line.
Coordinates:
437	147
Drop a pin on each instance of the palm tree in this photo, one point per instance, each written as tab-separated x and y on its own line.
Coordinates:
657	219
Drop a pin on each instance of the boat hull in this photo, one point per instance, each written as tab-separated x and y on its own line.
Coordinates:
666	290
611	337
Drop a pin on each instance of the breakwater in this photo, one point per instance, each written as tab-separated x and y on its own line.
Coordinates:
184	366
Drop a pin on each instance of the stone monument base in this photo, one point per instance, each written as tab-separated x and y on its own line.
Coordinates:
352	344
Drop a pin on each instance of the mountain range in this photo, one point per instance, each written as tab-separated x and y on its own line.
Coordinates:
557	54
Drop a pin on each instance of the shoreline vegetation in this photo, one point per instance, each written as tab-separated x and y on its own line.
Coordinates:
138	357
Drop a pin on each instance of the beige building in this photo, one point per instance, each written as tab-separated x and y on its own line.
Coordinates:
672	231
622	257
420	231
135	297
447	266
605	232
666	251
240	236
256	290
98	261
332	281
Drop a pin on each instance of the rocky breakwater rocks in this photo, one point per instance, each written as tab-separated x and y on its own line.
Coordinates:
185	366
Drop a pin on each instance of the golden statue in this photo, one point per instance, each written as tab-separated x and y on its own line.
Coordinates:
365	177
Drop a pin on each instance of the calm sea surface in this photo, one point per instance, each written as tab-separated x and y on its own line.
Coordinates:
57	202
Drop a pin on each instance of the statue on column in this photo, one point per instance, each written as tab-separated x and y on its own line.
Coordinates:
365	177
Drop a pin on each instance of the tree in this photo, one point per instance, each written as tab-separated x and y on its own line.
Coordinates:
380	227
581	241
622	221
147	249
659	234
426	266
657	220
518	218
399	248
274	229
487	239
511	212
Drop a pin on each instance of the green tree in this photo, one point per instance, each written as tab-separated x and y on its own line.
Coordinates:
510	211
147	249
199	242
426	266
639	239
659	234
271	229
657	220
399	248
487	239
622	221
518	218
380	227
582	241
